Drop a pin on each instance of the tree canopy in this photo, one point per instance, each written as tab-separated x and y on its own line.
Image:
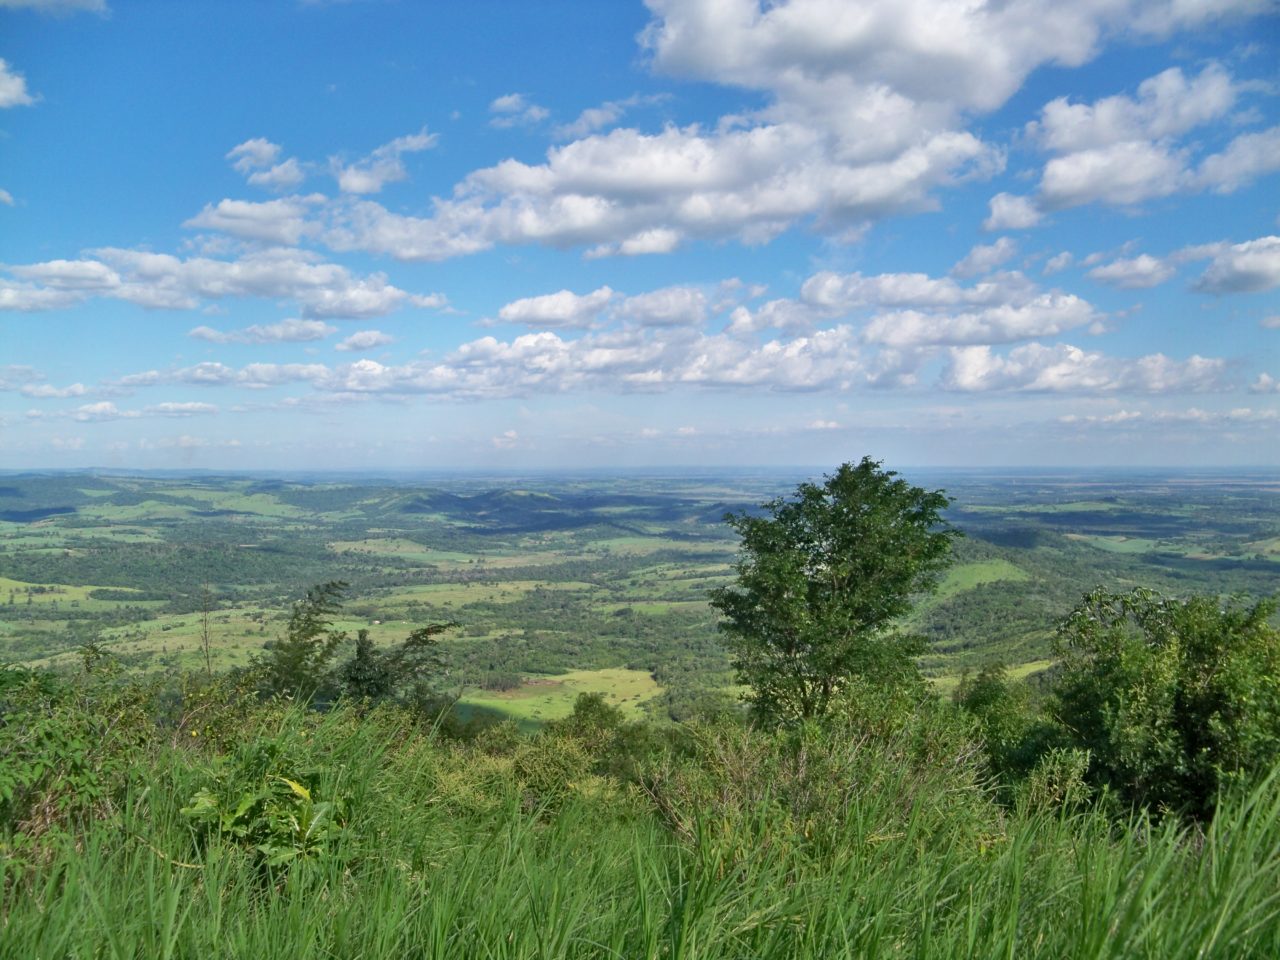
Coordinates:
1174	699
821	580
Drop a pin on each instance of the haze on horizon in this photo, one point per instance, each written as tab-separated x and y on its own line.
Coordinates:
379	236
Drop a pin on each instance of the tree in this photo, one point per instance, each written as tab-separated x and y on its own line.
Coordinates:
1173	699
822	578
368	675
298	664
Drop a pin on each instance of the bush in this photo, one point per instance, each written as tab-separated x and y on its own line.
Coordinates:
1175	700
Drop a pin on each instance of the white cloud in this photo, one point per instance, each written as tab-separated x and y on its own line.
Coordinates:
384	165
1247	157
282	176
282	221
365	340
15	375
505	440
46	391
174	409
1145	419
1124	150
1270	323
286	331
253	154
605	115
1167	105
515	109
100	411
29	298
1044	315
562	309
1009	212
56	7
1247	267
1064	368
324	290
671	306
632	193
1265	384
985	258
1136	273
1122	174
13	88
834	293
1057	263
6	198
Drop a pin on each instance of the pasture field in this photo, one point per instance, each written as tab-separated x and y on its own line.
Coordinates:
543	698
551	576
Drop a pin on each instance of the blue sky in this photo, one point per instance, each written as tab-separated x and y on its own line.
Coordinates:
390	235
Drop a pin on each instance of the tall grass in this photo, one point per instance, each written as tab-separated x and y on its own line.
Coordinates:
737	845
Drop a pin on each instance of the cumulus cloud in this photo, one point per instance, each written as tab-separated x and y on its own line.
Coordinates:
365	340
1009	212
323	290
1248	267
562	309
985	258
631	193
1123	150
671	306
50	392
1135	273
180	409
1044	315
282	221
1166	105
384	165
1247	157
1063	368
1058	262
1121	174
835	292
253	154
515	109
605	115
286	331
100	411
6	198
13	88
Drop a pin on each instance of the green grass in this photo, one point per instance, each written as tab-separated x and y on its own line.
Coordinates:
966	576
61	595
551	698
1117	543
453	852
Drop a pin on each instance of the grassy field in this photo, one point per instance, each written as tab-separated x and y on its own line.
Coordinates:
412	847
541	699
966	576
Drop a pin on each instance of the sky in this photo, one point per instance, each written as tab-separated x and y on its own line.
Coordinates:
388	235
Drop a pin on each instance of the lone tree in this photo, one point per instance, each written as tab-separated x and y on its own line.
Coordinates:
822	578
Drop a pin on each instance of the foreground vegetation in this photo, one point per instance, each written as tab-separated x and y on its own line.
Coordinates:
216	824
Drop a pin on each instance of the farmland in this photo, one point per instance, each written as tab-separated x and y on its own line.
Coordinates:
560	584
